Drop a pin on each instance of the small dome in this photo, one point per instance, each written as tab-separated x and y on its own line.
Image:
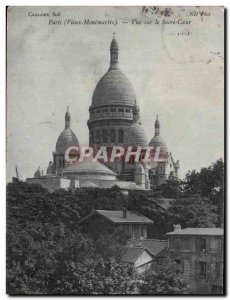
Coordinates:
135	135
37	174
50	170
67	114
158	141
114	44
66	139
157	122
114	88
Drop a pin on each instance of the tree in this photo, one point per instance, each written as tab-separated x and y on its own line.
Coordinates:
99	276
192	212
208	183
45	244
165	279
172	188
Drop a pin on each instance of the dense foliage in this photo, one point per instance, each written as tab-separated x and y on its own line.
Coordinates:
201	193
166	279
193	212
47	253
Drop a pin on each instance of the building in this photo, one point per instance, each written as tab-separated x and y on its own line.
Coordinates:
199	251
134	224
53	183
114	120
112	221
141	259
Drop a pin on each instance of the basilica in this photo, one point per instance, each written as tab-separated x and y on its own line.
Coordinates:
114	120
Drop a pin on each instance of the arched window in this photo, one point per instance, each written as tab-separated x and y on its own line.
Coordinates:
105	136
92	137
97	138
120	136
112	136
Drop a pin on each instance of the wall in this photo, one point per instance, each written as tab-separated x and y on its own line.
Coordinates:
188	251
52	183
143	259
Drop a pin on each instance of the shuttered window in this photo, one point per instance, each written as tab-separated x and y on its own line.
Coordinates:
202	270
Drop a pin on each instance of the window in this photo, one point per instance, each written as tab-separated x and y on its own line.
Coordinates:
214	245
177	244
112	136
127	110
92	137
120	136
177	261
97	140
120	109
219	270
143	231
105	136
136	231
180	264
187	245
113	109
202	245
202	270
125	228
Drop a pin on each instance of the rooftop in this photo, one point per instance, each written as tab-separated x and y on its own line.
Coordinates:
198	231
132	253
88	166
154	246
165	203
116	216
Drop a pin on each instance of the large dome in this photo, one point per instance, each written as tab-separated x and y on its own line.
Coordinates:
135	135
66	139
114	88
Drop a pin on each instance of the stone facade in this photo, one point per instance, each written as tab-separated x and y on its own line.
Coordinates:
199	251
54	183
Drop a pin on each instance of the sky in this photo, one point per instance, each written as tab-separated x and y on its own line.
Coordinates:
177	72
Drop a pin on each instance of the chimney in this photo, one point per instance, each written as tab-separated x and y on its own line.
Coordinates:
177	227
42	173
124	213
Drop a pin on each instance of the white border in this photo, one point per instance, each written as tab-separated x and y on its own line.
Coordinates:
5	3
